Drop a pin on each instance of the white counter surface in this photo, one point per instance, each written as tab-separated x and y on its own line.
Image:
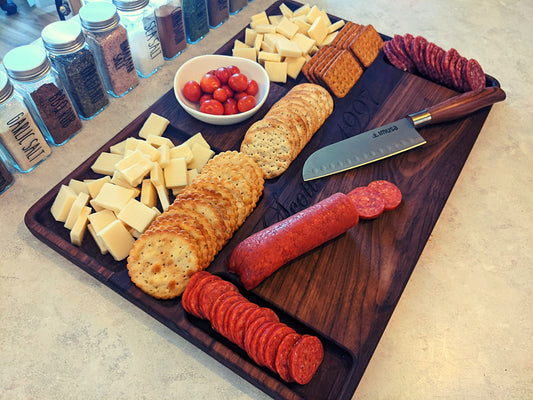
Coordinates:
462	329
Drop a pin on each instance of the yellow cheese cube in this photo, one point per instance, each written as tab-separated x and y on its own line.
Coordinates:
285	10
303	10
78	186
154	125
136	215
294	66
95	206
271	39
191	174
148	150
82	199
336	26
156	175
63	203
303	26
98	240
257	43
248	53
274	19
148	193
197	138
277	71
268	47
100	219
131	145
265	28
78	230
182	151
176	172
249	37
201	156
319	29
259	17
287	28
328	39
117	240
263	56
118	148
164	155
158	141
162	194
313	14
287	48
304	42
137	172
105	163
324	15
241	45
113	197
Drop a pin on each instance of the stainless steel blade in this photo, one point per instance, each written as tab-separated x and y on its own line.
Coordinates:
365	148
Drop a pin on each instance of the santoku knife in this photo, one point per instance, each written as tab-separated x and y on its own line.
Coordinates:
396	137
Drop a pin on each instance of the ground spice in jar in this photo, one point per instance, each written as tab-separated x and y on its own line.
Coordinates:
169	18
195	20
57	112
218	12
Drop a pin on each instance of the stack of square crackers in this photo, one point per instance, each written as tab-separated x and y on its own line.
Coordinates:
185	238
340	65
274	141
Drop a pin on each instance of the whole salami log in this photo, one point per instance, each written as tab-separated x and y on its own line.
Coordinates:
264	252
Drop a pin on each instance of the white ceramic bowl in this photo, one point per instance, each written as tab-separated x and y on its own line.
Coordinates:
196	67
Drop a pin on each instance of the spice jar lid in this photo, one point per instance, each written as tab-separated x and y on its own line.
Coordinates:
26	63
62	37
6	88
98	17
130	5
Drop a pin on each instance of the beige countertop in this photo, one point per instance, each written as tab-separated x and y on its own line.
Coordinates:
462	329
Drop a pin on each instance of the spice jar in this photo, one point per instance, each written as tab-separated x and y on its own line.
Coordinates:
23	144
137	16
237	5
42	91
109	42
76	66
169	18
195	20
218	11
6	179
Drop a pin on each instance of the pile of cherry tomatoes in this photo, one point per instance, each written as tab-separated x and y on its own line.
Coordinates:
223	91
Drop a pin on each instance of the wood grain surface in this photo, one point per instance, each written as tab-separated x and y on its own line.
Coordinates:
344	291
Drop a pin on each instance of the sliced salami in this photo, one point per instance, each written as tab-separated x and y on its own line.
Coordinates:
304	359
475	77
390	192
282	356
369	203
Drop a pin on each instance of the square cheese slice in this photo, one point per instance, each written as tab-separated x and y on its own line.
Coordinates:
82	199
249	53
105	163
176	173
80	226
100	219
63	203
277	71
117	240
137	215
154	125
201	156
148	193
113	197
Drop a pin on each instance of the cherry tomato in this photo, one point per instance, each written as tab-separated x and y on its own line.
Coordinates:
222	74
233	69
212	106
246	103
252	88
230	107
192	91
205	97
238	82
239	95
209	83
220	94
228	90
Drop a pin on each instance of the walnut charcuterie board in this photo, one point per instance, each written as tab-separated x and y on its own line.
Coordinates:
345	291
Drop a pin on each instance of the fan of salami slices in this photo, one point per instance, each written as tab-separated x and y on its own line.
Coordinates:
446	67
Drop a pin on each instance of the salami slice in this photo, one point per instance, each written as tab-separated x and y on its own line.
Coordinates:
190	296
390	192
282	356
304	359
474	75
271	346
369	203
211	291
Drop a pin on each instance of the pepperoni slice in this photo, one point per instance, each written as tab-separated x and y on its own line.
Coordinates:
249	335
219	309
390	192
282	356
304	359
273	342
191	295
239	330
369	203
210	293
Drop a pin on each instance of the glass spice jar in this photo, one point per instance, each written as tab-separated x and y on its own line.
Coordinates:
195	20
109	42
138	17
76	65
218	11
237	5
169	18
6	179
43	92
22	143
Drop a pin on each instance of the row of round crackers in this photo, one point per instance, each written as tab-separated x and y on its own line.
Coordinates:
203	217
277	139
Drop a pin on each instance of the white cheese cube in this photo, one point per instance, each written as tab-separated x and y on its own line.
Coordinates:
271	39
158	141
182	151
277	71
191	174
197	138
268	47
117	240
259	17
98	240
287	48
136	215
249	37
149	151
324	15
78	186
303	26
313	14
78	230
285	10
304	42
328	39
303	10
113	197
257	42
162	194
118	148
100	219
319	29
176	172
265	28
63	203
82	199
336	26
275	19
287	28
148	193
164	155
154	125
294	66
105	163
248	53
241	45
156	175
201	156
263	56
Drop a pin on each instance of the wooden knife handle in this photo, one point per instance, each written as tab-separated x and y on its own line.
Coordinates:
465	104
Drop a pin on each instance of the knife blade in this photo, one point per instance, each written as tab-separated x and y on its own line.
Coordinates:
395	137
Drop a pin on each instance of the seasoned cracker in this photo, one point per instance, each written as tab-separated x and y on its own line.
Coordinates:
367	45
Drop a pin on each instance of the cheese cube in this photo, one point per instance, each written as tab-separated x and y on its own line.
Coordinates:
304	42
148	193
303	10
154	125
303	26
257	43
265	28
268	47
82	199
259	17
241	45
328	39
324	15
137	172
117	240
176	172
336	26
197	138
263	56
162	194
105	163
158	141
118	179
277	71
285	10
294	66
312	15
191	174
164	155
100	219
272	38
287	48
248	53
182	151
113	197
78	230
118	148
275	19
319	29
148	150
99	242
130	146
63	203
201	156
136	215
78	186
249	37
156	175
287	28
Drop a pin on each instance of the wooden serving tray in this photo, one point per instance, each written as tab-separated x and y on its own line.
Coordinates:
344	291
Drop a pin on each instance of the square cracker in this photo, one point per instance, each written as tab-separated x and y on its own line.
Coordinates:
367	45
